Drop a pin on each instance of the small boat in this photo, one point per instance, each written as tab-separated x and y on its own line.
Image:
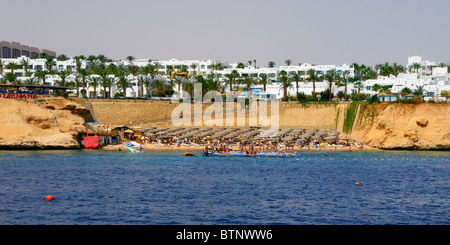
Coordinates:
131	148
188	154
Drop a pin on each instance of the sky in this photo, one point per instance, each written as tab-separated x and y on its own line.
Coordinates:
305	31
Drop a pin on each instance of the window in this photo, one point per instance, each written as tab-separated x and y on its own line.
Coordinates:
38	67
60	67
25	53
15	53
34	55
202	67
6	52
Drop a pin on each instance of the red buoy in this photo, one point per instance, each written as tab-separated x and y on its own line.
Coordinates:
49	198
357	183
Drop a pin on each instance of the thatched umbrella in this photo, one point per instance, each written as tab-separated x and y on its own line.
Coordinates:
331	138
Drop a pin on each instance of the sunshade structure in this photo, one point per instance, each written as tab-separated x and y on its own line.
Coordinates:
241	134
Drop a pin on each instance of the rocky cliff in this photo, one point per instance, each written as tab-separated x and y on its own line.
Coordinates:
40	124
54	123
404	126
423	126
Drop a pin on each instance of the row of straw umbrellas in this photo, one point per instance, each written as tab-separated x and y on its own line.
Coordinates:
243	134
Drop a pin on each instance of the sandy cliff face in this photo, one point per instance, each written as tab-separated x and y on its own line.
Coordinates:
387	126
40	124
404	126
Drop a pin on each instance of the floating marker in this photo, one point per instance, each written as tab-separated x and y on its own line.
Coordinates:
49	198
357	183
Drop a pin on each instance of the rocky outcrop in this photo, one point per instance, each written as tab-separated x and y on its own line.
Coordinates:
404	126
41	124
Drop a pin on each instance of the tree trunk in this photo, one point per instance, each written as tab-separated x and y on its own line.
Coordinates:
314	88
329	96
345	92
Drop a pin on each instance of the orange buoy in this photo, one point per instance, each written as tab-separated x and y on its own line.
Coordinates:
49	198
357	183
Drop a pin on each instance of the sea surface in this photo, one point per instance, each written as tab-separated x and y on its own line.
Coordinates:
166	188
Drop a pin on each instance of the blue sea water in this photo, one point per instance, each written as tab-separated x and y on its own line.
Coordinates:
166	188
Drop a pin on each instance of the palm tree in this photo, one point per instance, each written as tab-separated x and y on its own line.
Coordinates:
212	83
343	81
62	57
376	87
264	80
50	63
25	63
78	61
189	88
31	81
12	66
158	84
232	78
385	89
95	82
271	64
63	74
109	82
416	67
78	83
249	81
84	74
285	82
296	78
194	67
178	81
288	62
398	69
142	80
130	58
133	70
359	69
41	74
123	84
330	77
240	65
157	66
358	84
312	76
418	91
10	77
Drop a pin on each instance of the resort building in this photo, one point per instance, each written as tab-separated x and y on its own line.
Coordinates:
430	77
16	50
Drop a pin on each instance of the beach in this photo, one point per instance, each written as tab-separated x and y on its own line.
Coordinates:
199	147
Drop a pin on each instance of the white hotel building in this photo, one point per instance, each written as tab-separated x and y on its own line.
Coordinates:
433	79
